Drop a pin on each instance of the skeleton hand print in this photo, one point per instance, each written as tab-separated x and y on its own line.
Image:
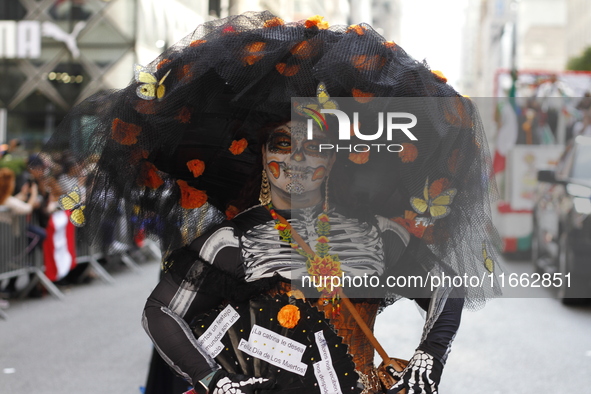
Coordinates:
421	376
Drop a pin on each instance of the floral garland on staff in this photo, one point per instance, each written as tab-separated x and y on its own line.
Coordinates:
321	264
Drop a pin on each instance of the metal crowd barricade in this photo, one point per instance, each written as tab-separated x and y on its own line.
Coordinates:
15	258
87	253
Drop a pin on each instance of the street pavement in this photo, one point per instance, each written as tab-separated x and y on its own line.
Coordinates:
93	342
512	345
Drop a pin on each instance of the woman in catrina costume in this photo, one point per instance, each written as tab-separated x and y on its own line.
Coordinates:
207	151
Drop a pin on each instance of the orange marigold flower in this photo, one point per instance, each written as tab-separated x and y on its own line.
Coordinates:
439	75
239	146
289	316
184	115
452	162
390	44
359	157
361	96
124	133
196	167
409	152
438	187
303	50
280	226
163	63
231	212
196	43
288	71
317	21
146	107
191	198
360	30
368	63
323	240
274	22
149	176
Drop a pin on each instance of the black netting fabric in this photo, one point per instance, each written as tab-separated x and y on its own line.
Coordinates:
179	149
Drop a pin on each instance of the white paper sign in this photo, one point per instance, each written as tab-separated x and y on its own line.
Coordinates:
328	383
210	341
275	349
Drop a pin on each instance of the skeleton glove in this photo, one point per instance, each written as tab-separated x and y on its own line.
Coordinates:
228	383
421	376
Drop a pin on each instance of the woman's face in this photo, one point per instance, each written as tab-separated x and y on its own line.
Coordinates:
294	164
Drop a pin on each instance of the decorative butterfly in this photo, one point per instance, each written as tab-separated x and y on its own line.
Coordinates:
438	207
72	202
151	88
312	109
488	262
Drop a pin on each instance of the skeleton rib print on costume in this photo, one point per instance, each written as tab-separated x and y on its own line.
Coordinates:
358	246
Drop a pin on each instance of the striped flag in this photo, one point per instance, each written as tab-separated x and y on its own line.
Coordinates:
59	248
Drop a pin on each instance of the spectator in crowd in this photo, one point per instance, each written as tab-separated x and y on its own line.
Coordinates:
22	203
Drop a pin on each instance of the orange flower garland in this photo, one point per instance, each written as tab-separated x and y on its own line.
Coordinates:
322	267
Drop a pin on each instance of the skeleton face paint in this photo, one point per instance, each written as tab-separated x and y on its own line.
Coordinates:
295	164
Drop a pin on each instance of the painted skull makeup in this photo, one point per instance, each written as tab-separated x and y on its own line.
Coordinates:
293	163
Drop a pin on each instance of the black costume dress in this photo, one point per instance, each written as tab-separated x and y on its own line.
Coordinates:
248	249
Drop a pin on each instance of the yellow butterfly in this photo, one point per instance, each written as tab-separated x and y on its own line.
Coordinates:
438	207
488	262
72	202
312	109
151	88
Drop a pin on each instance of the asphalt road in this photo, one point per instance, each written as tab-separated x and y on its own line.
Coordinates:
92	342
